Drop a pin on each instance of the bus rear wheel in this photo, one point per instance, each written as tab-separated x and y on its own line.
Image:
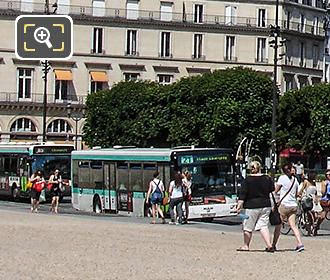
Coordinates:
97	208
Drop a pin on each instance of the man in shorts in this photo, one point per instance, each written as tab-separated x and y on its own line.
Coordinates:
287	185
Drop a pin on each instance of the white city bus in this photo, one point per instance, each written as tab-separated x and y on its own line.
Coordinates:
19	160
116	180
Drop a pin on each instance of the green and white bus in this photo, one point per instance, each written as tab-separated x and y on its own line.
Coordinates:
116	180
19	160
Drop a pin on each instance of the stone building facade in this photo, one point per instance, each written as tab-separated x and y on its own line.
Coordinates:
159	40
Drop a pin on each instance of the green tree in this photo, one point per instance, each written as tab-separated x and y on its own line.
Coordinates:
304	119
215	109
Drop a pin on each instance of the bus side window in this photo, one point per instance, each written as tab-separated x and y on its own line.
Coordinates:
1	165
6	165
122	175
83	174
136	177
148	172
75	175
97	174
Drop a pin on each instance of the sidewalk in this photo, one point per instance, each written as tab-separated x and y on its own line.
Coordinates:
69	247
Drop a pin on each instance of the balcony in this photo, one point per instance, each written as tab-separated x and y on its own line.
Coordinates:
36	100
86	12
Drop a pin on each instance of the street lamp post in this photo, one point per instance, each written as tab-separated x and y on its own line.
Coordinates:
275	32
76	117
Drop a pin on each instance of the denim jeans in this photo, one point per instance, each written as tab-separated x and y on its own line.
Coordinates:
176	202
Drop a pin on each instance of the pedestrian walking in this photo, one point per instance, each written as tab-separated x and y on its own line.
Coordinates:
176	198
155	195
187	182
254	197
56	183
287	185
299	171
324	201
38	183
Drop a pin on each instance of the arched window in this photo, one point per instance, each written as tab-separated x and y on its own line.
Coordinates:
23	125
59	126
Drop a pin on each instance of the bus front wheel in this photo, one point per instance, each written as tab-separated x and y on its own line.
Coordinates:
97	207
15	193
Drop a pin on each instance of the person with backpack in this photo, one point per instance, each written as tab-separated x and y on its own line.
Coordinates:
176	198
324	201
156	190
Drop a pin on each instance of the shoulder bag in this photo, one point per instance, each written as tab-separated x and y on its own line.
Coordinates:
274	216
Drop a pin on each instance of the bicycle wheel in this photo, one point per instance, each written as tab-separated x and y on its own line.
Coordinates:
285	228
304	225
327	215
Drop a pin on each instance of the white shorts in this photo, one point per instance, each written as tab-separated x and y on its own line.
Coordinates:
258	219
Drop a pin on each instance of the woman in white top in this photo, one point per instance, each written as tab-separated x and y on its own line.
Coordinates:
187	193
176	195
288	187
156	190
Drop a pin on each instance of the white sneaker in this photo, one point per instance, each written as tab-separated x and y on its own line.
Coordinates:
171	223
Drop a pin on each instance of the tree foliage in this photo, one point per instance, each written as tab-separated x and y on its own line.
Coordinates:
304	118
212	110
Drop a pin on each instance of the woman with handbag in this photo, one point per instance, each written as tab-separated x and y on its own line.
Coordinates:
156	190
324	201
38	183
288	185
254	196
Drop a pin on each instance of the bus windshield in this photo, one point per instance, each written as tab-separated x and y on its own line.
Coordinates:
212	173
49	163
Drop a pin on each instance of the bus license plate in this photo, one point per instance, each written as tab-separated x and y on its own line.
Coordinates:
208	214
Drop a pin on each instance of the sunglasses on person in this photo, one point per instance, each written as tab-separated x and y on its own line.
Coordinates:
327	174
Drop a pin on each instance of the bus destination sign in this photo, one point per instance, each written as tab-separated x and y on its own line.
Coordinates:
197	159
52	150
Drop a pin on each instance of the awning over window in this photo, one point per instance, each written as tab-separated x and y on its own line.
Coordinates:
99	76
63	75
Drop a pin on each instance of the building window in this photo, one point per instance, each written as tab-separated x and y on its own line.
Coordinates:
96	86
316	26
288	82
288	19
59	126
63	7
24	83
231	14
23	125
288	52
165	79
98	8
198	46
302	23
165	44
198	13
131	76
316	52
132	9
166	11
326	73
131	42
230	48
97	40
302	54
262	18
61	90
261	50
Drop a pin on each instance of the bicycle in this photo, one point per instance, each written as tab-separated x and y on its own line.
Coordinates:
302	222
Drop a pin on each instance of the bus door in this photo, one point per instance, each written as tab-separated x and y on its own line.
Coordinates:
110	201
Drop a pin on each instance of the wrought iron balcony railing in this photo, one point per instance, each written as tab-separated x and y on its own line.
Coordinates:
135	15
37	98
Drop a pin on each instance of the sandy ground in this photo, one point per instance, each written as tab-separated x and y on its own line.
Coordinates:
38	246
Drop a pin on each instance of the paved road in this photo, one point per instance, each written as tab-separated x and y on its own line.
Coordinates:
229	224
